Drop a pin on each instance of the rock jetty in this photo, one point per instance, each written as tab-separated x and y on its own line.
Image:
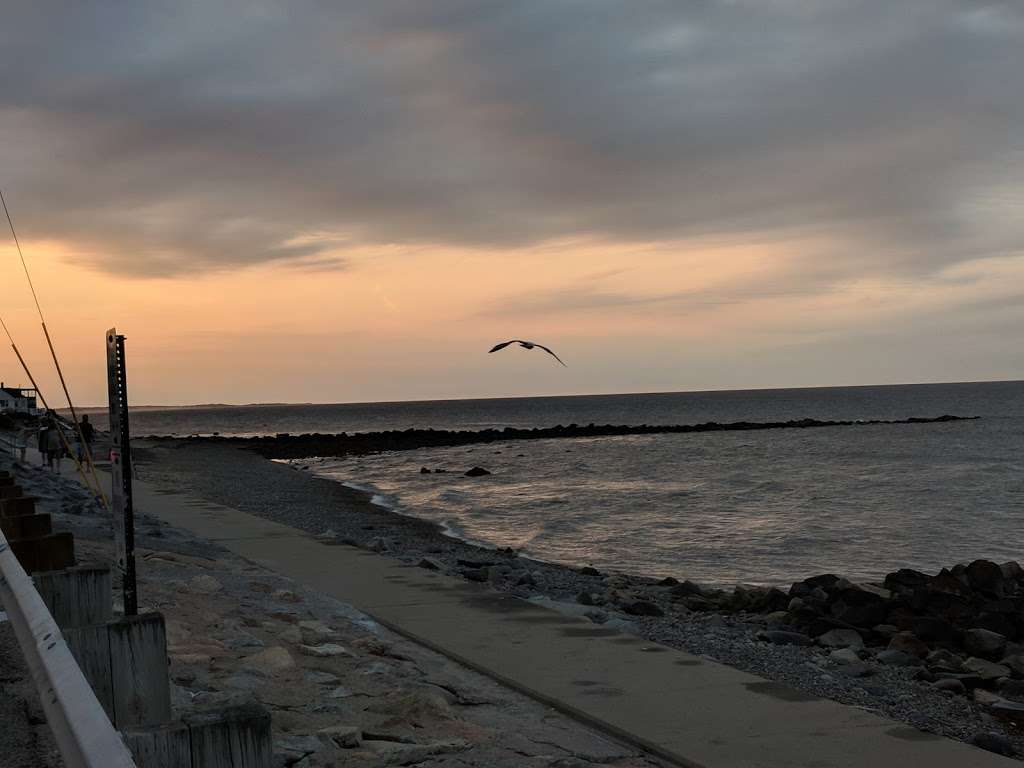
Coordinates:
287	446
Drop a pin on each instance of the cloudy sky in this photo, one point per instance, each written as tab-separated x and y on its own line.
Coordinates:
312	201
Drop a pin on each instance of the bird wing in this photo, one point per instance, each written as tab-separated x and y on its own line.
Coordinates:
503	344
552	354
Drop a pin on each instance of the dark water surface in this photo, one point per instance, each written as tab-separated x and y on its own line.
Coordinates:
720	507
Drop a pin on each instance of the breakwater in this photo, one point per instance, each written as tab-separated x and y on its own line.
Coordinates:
288	446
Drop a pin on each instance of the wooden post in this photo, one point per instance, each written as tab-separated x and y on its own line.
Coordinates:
26	526
77	597
18	505
45	553
125	661
164	746
138	667
91	648
10	491
233	736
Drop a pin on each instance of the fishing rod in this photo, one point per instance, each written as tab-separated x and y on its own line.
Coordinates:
60	432
56	363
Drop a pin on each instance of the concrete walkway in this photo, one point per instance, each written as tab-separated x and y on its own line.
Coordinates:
680	707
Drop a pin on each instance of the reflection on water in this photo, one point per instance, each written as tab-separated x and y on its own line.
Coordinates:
721	507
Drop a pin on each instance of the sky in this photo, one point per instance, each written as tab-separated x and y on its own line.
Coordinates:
330	202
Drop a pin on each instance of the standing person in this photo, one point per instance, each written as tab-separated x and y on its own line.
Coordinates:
88	431
21	442
44	442
54	447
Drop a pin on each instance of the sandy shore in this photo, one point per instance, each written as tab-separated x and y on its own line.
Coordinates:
246	481
341	688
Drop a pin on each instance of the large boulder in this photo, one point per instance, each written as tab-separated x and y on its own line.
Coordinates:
934	629
688	588
908	642
1001	623
1012	570
942	660
841	638
984	643
906	580
700	603
970	680
1015	663
844	656
947	597
824	582
985	576
860	612
985	669
946	582
950	686
866	592
994	742
757	599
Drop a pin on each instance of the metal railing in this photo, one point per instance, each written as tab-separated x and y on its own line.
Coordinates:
83	732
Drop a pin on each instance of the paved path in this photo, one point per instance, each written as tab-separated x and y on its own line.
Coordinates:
683	708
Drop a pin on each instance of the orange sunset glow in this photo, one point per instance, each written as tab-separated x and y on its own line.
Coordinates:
362	221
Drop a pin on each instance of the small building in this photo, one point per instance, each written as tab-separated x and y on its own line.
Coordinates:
17	399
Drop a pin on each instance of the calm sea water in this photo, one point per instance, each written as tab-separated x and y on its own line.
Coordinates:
764	507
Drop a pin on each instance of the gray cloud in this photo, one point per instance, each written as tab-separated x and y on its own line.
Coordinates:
586	298
168	138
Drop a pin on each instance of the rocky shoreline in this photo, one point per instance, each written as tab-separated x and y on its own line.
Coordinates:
287	446
913	647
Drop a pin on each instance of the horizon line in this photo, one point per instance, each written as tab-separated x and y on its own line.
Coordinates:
539	397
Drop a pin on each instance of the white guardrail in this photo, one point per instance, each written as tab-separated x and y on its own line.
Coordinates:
80	726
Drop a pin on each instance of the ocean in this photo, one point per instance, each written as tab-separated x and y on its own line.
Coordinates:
763	507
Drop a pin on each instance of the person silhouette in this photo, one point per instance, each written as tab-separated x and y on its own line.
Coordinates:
88	432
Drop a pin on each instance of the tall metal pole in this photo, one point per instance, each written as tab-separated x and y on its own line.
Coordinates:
121	469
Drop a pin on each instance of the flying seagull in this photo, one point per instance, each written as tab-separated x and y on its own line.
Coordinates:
525	345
